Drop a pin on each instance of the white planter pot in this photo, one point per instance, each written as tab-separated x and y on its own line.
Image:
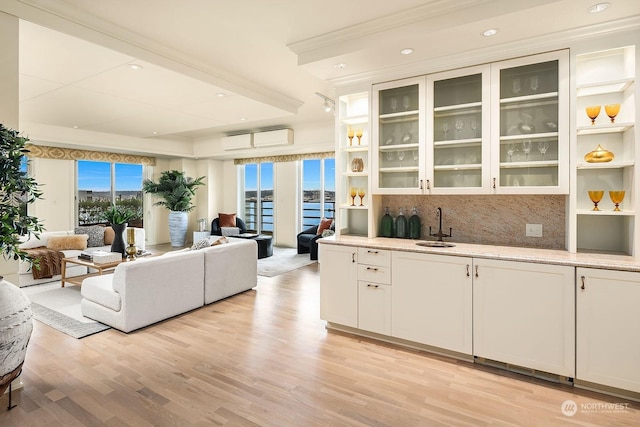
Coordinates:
178	222
15	331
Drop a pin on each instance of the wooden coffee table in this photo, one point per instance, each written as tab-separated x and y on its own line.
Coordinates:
77	280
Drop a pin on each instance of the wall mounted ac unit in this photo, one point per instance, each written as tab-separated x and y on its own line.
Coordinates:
273	138
237	142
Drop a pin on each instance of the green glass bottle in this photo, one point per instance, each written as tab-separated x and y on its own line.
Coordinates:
414	225
386	228
401	225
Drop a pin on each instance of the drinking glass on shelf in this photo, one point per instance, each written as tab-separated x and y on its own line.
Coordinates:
612	111
405	102
459	126
533	83
445	129
474	128
401	155
596	196
393	104
616	198
350	135
353	192
526	148
390	156
593	111
516	86
543	146
359	135
361	194
511	148
414	153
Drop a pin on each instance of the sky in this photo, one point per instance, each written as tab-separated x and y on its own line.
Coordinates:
96	176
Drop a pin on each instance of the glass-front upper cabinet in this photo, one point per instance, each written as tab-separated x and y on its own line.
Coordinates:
398	137
458	119
531	122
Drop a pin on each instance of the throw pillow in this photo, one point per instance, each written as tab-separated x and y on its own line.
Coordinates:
200	244
226	220
220	241
62	243
109	235
229	231
325	223
328	233
95	232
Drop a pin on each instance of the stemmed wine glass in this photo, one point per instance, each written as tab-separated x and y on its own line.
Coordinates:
352	193
526	147
445	129
359	135
533	83
612	111
459	127
361	194
474	128
511	148
350	136
543	146
405	102
516	86
400	155
393	104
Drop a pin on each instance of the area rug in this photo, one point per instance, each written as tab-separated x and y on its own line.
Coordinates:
283	260
60	308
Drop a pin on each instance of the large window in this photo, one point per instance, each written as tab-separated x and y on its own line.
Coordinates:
318	190
100	184
258	197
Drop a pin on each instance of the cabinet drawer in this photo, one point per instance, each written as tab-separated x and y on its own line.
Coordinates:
374	273
377	257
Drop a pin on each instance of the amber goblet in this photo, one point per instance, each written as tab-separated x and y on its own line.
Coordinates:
612	111
593	111
353	192
359	135
596	196
350	136
361	195
616	198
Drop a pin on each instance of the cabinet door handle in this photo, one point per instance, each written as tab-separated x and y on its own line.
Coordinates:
494	183
372	252
476	271
582	279
372	286
421	184
372	269
468	274
428	185
353	257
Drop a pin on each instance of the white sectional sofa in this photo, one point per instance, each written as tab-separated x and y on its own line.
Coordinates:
148	290
25	276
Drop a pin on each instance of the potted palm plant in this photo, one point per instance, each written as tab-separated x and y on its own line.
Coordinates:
176	191
17	190
118	216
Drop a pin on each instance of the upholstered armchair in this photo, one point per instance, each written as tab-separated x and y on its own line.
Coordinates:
308	239
216	229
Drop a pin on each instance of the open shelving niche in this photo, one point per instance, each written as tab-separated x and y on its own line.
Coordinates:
606	77
353	113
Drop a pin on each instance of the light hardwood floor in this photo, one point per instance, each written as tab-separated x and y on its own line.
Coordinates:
265	358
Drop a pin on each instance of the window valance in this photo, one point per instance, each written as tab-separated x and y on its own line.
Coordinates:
285	158
46	152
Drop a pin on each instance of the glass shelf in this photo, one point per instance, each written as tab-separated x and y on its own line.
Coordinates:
460	167
356	207
469	142
399	147
546	98
403	116
400	169
530	164
605	165
604	87
550	135
471	107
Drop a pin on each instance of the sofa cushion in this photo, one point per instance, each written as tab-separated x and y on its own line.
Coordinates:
32	241
59	243
101	292
109	235
95	233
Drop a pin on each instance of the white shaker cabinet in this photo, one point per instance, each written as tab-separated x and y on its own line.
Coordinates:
608	328
524	314
374	290
339	284
432	300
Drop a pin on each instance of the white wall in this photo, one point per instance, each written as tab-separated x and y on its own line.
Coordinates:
286	202
56	209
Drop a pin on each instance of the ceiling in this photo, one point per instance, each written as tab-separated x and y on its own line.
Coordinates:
213	67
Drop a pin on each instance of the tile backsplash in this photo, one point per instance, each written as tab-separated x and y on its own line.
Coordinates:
488	219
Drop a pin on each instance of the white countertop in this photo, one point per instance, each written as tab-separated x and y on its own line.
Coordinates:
542	256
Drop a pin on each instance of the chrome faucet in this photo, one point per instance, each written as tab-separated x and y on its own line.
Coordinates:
440	234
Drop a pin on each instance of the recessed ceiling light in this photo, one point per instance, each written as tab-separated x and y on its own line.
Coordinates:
340	66
600	7
76	126
243	119
135	67
406	51
490	32
155	132
221	94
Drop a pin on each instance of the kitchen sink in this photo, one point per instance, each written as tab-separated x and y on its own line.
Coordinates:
435	244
